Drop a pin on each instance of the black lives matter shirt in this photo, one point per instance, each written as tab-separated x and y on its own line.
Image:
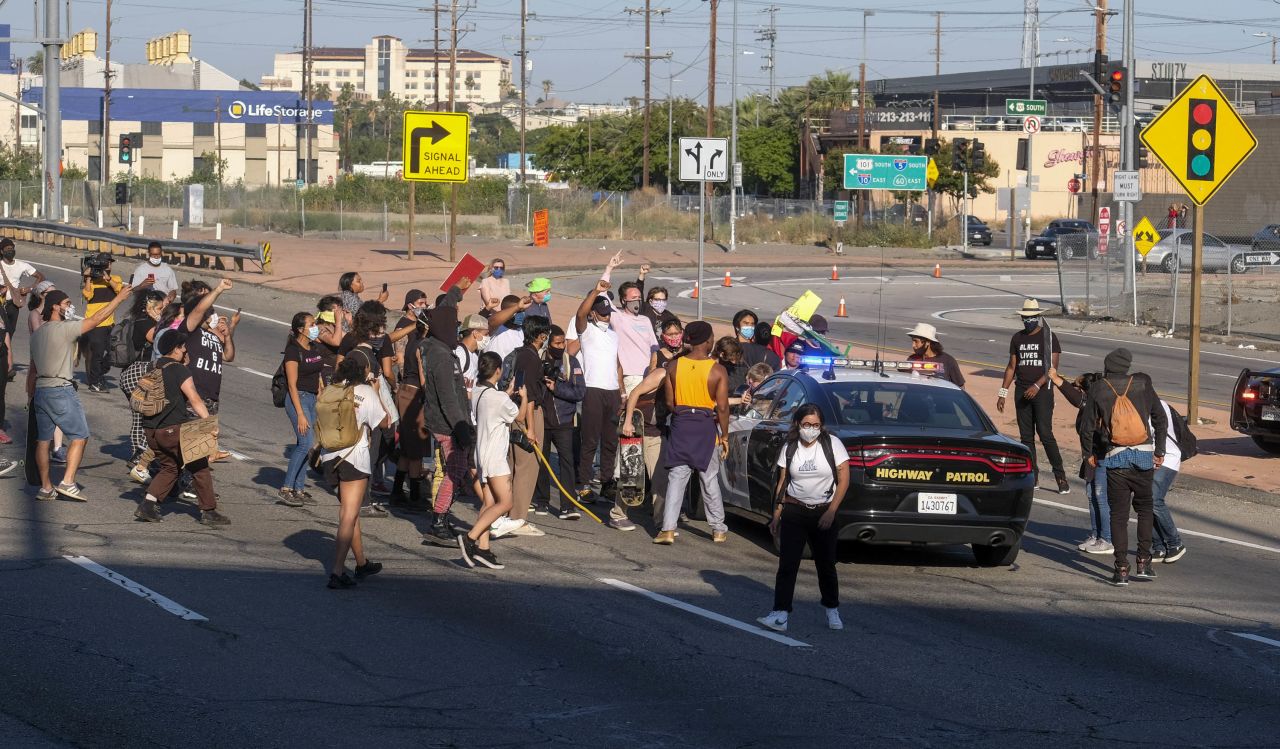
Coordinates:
1029	348
204	350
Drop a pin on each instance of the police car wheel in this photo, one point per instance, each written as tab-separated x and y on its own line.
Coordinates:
1268	445
996	556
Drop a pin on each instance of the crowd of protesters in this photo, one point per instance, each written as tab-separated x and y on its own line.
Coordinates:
486	397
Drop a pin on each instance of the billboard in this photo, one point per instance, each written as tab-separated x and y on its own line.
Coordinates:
177	105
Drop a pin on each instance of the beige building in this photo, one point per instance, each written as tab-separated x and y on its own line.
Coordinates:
387	66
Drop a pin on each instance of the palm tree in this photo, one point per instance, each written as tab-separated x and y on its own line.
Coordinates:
35	64
546	90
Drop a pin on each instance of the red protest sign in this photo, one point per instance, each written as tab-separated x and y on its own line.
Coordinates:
468	267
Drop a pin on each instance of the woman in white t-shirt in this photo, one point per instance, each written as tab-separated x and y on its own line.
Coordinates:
492	412
811	486
349	469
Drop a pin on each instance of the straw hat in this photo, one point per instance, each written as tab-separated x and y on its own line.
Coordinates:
1031	308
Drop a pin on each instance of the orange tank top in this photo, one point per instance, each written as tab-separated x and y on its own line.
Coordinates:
691	382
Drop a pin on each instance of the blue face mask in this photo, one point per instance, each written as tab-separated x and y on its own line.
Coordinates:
748	332
499	272
547	299
313	332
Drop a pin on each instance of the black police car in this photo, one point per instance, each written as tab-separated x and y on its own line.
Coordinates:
1255	407
927	464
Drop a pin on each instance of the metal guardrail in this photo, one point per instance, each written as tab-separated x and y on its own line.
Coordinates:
90	239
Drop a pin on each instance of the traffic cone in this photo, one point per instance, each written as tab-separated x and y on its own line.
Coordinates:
937	270
728	281
695	291
840	311
835	274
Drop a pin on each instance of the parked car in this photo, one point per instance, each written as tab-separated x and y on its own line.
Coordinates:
1255	408
1070	124
1218	255
1073	238
991	123
977	231
894	214
1267	238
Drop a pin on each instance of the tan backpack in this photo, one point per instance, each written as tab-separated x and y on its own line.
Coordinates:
148	398
336	425
1128	428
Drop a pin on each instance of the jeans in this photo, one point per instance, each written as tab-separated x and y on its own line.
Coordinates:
1099	508
1167	537
1125	485
60	407
678	480
1035	416
296	476
798	525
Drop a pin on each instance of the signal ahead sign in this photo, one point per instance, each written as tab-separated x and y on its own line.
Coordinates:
1200	139
436	146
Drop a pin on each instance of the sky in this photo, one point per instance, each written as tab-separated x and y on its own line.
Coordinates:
580	45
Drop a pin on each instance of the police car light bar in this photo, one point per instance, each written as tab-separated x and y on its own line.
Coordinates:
827	362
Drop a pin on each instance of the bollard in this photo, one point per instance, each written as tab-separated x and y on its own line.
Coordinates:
142	222
99	218
66	215
217	231
35	210
175	231
6	209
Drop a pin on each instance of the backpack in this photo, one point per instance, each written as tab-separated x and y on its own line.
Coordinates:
508	370
121	345
1128	429
148	398
279	388
827	450
1180	430
336	425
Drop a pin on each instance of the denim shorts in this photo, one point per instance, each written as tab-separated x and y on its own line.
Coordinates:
60	407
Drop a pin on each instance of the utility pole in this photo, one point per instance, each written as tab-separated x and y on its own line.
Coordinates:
1127	142
453	75
708	188
52	156
524	82
1100	49
733	137
304	130
862	110
648	58
435	56
770	35
937	71
104	149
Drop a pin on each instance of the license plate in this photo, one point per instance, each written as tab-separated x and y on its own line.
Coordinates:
936	504
976	235
1270	413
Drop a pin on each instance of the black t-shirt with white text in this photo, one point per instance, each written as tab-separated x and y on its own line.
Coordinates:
1029	350
205	351
310	364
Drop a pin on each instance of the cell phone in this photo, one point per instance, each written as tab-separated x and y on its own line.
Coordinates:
151	277
384	288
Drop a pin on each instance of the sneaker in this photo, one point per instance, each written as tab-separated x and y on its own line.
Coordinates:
833	619
72	491
7	466
1100	546
586	496
139	474
96	388
59	456
527	529
1120	576
380	489
289	499
439	533
665	538
776	620
306	497
148	512
372	511
486	557
1064	487
621	524
45	495
503	526
1085	544
5	439
468	549
684	518
719	537
341	582
1145	570
187	493
570	514
1157	554
213	517
368	569
1174	554
541	510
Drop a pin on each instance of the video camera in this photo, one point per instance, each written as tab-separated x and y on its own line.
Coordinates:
97	263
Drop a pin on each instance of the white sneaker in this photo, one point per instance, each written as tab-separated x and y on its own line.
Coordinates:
833	619
527	529
1100	547
1085	544
503	526
139	473
776	620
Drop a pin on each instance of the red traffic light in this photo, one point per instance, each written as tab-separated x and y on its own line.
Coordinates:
1117	76
126	141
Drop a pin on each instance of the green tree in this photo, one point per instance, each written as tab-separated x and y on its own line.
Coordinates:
35	64
212	170
951	182
769	157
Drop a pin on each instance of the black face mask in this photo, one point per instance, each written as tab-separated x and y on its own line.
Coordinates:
1030	323
9	255
554	354
377	341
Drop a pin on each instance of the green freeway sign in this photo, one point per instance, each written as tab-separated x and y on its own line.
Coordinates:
1022	107
877	172
842	210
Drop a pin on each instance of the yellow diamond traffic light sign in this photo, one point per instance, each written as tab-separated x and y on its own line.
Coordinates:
1200	139
435	146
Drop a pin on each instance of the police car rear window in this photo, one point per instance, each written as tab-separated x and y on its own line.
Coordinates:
903	405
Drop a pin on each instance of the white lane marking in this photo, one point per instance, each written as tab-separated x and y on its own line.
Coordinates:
173	607
1074	353
1183	531
236	455
973	296
1228	376
250	314
255	372
713	616
1257	638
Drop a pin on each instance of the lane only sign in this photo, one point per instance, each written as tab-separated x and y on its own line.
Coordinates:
436	146
704	159
1145	236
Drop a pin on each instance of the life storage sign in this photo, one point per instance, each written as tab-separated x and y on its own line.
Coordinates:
436	146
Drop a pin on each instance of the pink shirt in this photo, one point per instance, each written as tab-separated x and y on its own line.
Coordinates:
636	341
492	290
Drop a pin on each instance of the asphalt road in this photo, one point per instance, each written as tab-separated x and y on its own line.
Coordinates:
593	637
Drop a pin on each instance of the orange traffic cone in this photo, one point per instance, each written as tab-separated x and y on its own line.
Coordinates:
728	281
695	291
840	311
835	274
937	270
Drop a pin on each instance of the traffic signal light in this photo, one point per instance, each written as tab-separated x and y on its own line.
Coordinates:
1023	155
1116	82
973	191
1140	152
977	156
126	148
931	146
1202	133
960	155
122	193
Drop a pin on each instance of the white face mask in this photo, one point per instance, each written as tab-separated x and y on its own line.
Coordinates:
213	319
155	261
482	341
810	434
602	324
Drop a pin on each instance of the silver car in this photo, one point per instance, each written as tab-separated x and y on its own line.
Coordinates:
1217	254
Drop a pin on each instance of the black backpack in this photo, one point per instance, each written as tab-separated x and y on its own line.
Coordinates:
1180	430
827	450
121	345
279	388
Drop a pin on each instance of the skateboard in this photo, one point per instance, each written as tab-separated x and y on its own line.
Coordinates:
631	464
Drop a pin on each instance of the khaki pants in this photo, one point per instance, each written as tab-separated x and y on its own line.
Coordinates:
654	452
524	469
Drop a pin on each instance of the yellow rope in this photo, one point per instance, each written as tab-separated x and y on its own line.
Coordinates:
572	497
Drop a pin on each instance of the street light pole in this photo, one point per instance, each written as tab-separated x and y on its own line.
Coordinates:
862	109
733	138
